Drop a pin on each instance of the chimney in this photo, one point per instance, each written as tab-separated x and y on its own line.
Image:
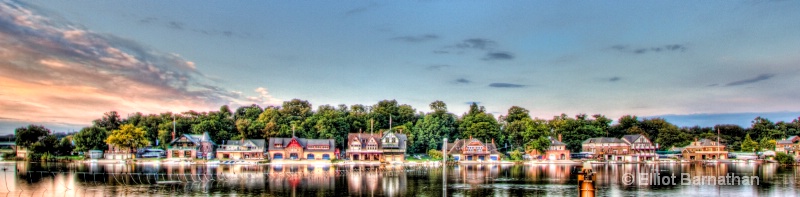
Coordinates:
559	138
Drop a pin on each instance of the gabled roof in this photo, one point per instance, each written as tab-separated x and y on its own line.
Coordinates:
196	138
303	142
257	142
603	140
457	146
555	142
789	140
630	139
703	142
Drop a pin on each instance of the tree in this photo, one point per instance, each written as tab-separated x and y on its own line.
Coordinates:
128	137
64	146
109	121
749	144
785	159
91	138
26	136
767	144
516	155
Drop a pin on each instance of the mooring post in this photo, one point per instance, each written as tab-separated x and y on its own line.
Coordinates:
586	181
444	167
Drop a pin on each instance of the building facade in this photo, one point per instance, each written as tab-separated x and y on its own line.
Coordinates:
607	148
641	149
242	149
386	147
191	146
295	148
704	149
473	150
788	145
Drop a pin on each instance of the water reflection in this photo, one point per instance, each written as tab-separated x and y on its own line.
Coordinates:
59	179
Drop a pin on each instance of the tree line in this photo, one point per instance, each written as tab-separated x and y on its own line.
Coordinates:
515	130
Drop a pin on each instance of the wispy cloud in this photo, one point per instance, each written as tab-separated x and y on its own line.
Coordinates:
614	79
643	50
476	43
463	81
758	78
506	85
51	67
181	26
415	39
437	67
498	56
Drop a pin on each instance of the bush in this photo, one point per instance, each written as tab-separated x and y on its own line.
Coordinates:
516	155
784	158
435	154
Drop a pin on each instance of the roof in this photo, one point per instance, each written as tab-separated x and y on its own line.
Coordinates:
458	145
303	142
703	142
603	140
555	142
789	140
258	142
363	138
196	138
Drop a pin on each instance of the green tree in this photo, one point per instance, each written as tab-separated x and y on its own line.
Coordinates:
670	136
785	159
109	121
477	123
749	144
128	137
26	136
91	138
64	146
516	155
767	144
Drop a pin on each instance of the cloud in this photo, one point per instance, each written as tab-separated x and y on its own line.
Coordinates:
437	67
643	50
264	97
463	81
471	102
758	78
498	56
614	79
52	70
360	10
175	25
415	39
505	85
476	43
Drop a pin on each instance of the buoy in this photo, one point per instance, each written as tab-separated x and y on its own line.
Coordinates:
586	181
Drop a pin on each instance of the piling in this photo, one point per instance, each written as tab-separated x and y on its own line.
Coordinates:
586	181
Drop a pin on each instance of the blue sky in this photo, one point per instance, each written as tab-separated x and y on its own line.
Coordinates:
64	63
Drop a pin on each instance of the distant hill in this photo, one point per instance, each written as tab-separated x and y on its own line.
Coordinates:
741	119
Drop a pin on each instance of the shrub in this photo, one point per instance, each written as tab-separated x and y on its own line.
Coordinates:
784	158
516	155
435	154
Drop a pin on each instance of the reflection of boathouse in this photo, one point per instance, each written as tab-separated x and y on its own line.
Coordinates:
376	181
289	177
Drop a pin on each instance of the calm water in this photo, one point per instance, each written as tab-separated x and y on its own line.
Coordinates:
58	179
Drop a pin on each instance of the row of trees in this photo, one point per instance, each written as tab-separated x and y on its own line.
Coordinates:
515	130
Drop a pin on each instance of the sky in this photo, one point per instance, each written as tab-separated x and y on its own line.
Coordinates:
65	63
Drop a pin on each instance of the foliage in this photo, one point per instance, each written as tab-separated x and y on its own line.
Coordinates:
749	144
435	154
767	144
128	137
516	155
784	158
27	136
91	138
64	146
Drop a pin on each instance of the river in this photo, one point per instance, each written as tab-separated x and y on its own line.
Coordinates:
88	179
